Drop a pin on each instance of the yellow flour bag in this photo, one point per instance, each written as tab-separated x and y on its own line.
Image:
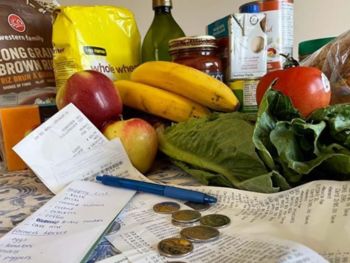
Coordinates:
102	38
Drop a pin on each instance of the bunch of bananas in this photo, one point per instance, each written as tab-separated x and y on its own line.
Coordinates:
175	92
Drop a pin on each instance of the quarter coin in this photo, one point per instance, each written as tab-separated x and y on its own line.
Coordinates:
200	233
186	216
215	220
175	247
166	207
198	206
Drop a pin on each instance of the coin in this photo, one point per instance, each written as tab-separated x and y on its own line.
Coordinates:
200	233
215	220
198	206
166	207
181	224
186	216
175	247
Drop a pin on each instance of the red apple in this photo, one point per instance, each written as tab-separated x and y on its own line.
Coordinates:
94	95
139	139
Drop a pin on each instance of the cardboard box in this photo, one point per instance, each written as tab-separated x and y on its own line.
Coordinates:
242	44
15	123
279	31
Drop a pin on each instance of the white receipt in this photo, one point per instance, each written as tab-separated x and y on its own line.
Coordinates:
309	223
65	135
108	158
66	227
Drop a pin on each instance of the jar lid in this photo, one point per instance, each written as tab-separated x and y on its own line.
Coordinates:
251	7
310	46
192	42
157	3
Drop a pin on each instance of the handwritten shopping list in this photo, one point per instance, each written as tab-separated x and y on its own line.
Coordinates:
65	228
65	135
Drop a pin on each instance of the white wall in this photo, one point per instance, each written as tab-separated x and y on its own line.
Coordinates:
313	18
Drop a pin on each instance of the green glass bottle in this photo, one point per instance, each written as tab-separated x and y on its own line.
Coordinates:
163	28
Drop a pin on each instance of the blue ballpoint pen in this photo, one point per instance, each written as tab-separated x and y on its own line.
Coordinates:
164	190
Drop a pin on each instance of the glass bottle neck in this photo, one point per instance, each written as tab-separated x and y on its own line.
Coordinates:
162	10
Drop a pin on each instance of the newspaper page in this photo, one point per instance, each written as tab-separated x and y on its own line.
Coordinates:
309	223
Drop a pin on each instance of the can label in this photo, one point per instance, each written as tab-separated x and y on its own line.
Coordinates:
249	96
245	90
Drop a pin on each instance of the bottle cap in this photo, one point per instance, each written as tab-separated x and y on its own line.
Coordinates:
157	3
192	42
251	7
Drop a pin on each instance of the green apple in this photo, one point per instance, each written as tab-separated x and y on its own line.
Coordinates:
139	139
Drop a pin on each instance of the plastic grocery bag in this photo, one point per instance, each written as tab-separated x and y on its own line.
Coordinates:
101	38
334	60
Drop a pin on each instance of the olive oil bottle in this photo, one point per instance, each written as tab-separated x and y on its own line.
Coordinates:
155	45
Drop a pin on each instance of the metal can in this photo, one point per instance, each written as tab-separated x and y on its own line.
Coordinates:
245	91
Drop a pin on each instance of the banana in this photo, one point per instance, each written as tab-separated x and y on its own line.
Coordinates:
158	102
187	82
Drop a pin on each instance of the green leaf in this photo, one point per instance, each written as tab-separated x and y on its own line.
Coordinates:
204	177
337	166
218	144
273	108
337	118
265	183
296	144
303	150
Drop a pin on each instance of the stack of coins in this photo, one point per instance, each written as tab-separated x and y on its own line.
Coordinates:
200	233
195	227
184	218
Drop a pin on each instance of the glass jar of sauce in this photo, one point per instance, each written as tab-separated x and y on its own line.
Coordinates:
198	52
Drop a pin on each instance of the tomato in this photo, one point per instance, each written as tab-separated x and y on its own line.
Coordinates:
307	87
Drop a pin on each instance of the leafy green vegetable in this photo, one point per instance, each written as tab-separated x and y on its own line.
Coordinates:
219	150
274	107
280	151
337	118
303	150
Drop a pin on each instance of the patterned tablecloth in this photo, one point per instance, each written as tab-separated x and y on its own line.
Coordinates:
22	193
